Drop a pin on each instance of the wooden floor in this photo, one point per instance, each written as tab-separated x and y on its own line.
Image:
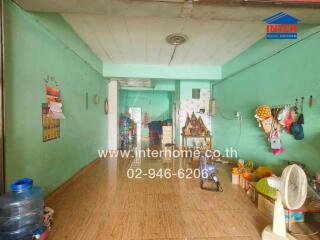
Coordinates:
104	204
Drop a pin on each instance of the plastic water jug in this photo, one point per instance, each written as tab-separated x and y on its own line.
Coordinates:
21	211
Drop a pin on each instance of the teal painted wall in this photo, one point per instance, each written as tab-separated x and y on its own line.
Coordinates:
263	49
58	28
292	73
158	104
32	53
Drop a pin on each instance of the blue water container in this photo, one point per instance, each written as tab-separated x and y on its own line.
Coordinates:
21	211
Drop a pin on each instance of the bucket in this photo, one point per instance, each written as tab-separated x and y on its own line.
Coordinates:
235	179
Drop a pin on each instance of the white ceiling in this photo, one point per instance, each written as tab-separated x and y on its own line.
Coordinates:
134	32
141	40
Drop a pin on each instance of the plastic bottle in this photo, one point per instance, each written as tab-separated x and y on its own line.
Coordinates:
21	211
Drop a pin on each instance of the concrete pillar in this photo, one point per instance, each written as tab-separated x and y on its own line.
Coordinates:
113	115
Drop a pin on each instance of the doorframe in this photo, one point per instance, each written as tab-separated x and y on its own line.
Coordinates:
2	149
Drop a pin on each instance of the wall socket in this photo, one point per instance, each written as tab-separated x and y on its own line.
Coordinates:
237	115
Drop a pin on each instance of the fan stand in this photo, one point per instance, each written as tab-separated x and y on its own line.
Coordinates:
268	234
278	231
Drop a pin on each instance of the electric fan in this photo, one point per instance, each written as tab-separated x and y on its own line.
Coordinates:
292	193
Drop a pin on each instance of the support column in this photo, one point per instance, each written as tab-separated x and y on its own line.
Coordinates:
2	160
113	115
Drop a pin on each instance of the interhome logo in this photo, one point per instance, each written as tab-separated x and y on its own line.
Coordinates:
281	26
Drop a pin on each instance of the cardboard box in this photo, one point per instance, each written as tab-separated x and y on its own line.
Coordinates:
266	206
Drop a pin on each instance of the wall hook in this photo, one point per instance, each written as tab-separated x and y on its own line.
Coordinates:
311	101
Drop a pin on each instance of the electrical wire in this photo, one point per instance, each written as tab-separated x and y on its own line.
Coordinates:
224	117
175	46
173	54
240	133
231	119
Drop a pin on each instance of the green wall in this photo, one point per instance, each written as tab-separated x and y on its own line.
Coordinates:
58	28
32	53
293	72
158	104
263	49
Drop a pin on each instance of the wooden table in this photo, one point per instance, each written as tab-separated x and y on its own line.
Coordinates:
185	139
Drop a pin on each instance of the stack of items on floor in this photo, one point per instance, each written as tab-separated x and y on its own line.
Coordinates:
128	132
155	131
167	143
166	136
22	212
254	182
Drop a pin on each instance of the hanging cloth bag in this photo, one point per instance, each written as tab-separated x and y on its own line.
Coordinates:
275	141
301	116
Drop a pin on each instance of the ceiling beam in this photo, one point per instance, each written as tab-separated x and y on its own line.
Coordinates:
161	72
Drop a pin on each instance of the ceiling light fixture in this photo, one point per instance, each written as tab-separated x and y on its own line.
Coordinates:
176	39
